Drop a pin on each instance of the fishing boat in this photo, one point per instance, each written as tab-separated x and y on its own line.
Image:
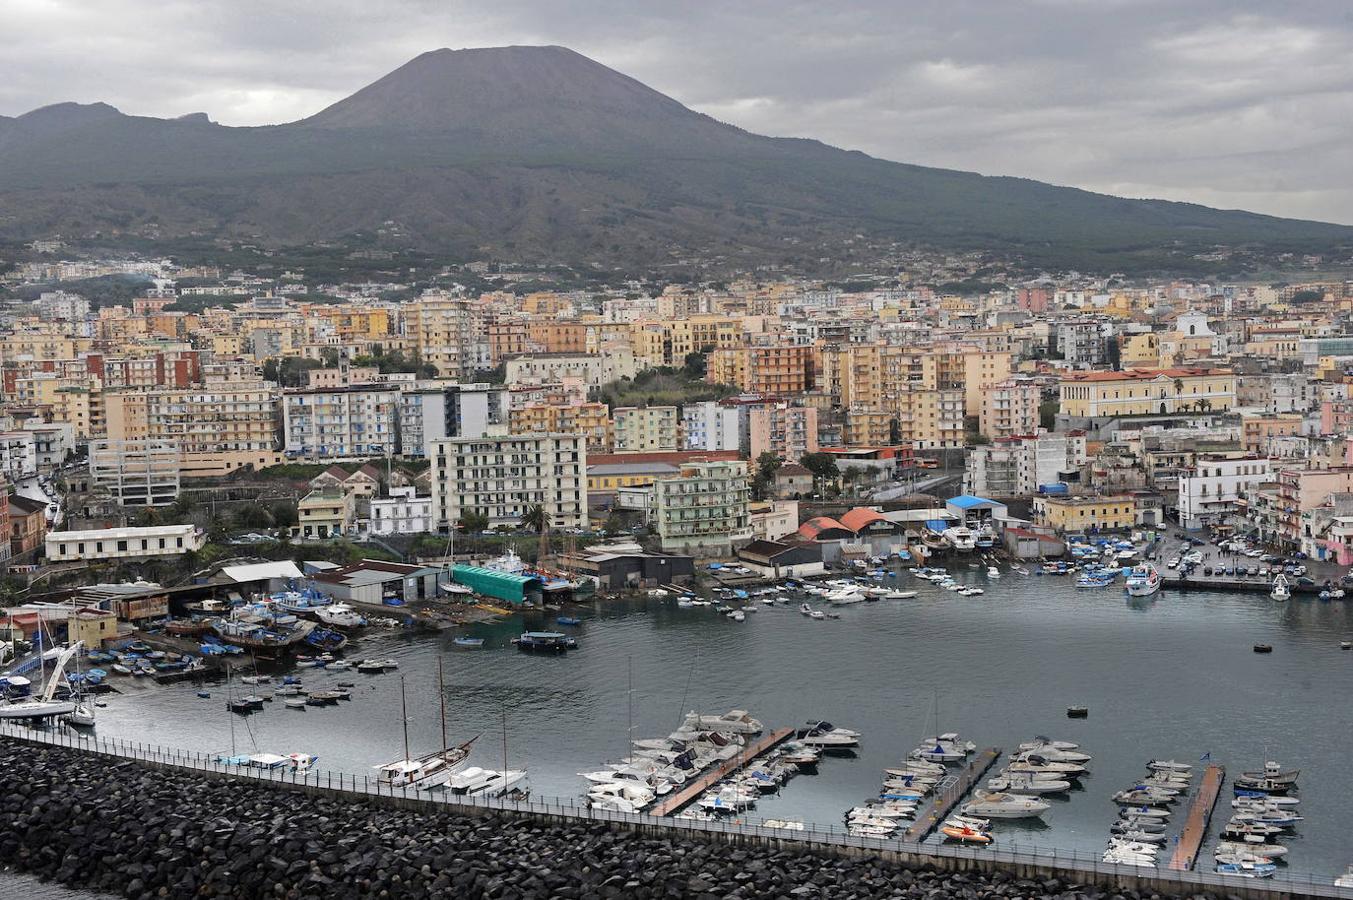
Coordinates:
1143	580
340	615
1274	772
1280	589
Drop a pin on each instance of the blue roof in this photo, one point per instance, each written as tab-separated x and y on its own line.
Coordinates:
968	501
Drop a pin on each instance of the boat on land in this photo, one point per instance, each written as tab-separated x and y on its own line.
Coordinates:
962	539
45	705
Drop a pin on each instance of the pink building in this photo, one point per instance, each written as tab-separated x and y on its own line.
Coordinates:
787	431
1009	408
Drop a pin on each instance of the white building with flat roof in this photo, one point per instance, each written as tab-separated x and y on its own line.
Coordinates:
123	543
1217	486
502	477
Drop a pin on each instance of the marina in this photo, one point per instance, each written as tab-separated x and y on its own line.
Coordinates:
949	792
1005	663
693	789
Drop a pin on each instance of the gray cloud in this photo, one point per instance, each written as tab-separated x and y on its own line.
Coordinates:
1231	104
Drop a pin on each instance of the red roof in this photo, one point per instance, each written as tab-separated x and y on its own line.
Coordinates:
814	527
1140	374
860	518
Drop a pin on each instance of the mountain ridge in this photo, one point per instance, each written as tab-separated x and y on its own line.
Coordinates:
544	154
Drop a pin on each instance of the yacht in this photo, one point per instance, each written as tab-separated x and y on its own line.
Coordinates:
340	615
997	805
1016	783
495	784
735	721
825	735
1143	581
962	539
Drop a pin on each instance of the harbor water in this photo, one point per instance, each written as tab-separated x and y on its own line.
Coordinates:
1169	677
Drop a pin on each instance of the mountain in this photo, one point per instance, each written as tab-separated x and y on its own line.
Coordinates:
538	153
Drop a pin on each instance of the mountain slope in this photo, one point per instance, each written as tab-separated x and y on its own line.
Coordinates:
540	153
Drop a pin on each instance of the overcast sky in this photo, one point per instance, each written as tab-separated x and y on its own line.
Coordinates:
1232	104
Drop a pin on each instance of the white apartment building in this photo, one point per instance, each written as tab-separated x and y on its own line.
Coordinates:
431	411
340	423
705	511
51	442
137	472
18	455
403	512
710	426
123	543
502	477
1015	467
595	369
1214	491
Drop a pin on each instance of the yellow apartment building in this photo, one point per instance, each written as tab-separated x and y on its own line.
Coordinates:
1139	392
591	420
1075	515
868	428
1138	351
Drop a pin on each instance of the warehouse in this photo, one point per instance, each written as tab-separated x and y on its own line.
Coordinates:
499	585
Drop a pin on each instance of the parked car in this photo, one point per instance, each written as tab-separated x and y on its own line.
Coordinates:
1254	570
1173	563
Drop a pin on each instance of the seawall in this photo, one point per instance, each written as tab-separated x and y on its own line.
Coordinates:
142	822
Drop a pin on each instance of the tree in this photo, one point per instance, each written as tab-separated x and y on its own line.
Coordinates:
535	518
894	431
472	521
766	465
823	466
329	356
284	514
1047	414
694	366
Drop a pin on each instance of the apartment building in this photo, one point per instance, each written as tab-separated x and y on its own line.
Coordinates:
1257	432
646	429
18	455
141	472
710	426
1081	515
929	419
591	420
1018	466
783	429
449	332
430	411
781	370
1218	486
502	477
339	423
705	511
1009	408
593	369
1143	392
326	512
869	428
1301	490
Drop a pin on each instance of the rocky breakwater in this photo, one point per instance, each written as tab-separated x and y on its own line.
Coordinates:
130	829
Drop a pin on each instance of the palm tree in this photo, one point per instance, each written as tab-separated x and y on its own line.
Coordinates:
535	518
1178	391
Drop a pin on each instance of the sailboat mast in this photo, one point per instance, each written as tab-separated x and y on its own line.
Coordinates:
441	695
504	744
230	710
629	700
404	716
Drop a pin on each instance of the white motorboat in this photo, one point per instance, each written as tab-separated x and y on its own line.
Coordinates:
735	721
639	795
1269	802
1041	742
1259	848
1280	589
993	572
498	783
727	799
1052	753
826	736
1004	806
1168	765
845	596
1014	784
1345	880
899	595
950	739
341	615
962	538
1143	848
1143	580
1036	764
737	615
1141	837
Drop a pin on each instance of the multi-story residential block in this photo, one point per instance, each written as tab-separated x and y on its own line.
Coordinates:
1009	408
868	427
403	512
26	529
710	426
1080	515
123	543
646	429
704	511
1257	432
503	477
1301	490
338	423
1018	466
141	472
779	370
783	429
18	455
433	410
591	420
594	369
1144	392
449	332
1218	486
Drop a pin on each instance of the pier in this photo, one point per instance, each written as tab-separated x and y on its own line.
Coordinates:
692	790
944	798
1252	585
1200	814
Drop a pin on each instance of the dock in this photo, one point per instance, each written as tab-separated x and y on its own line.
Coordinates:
1252	585
1200	814
692	790
948	792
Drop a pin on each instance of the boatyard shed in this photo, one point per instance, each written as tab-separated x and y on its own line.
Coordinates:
976	511
377	581
499	585
776	559
623	565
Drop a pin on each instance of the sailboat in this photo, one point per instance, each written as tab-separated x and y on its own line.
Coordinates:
46	705
449	586
431	769
83	714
